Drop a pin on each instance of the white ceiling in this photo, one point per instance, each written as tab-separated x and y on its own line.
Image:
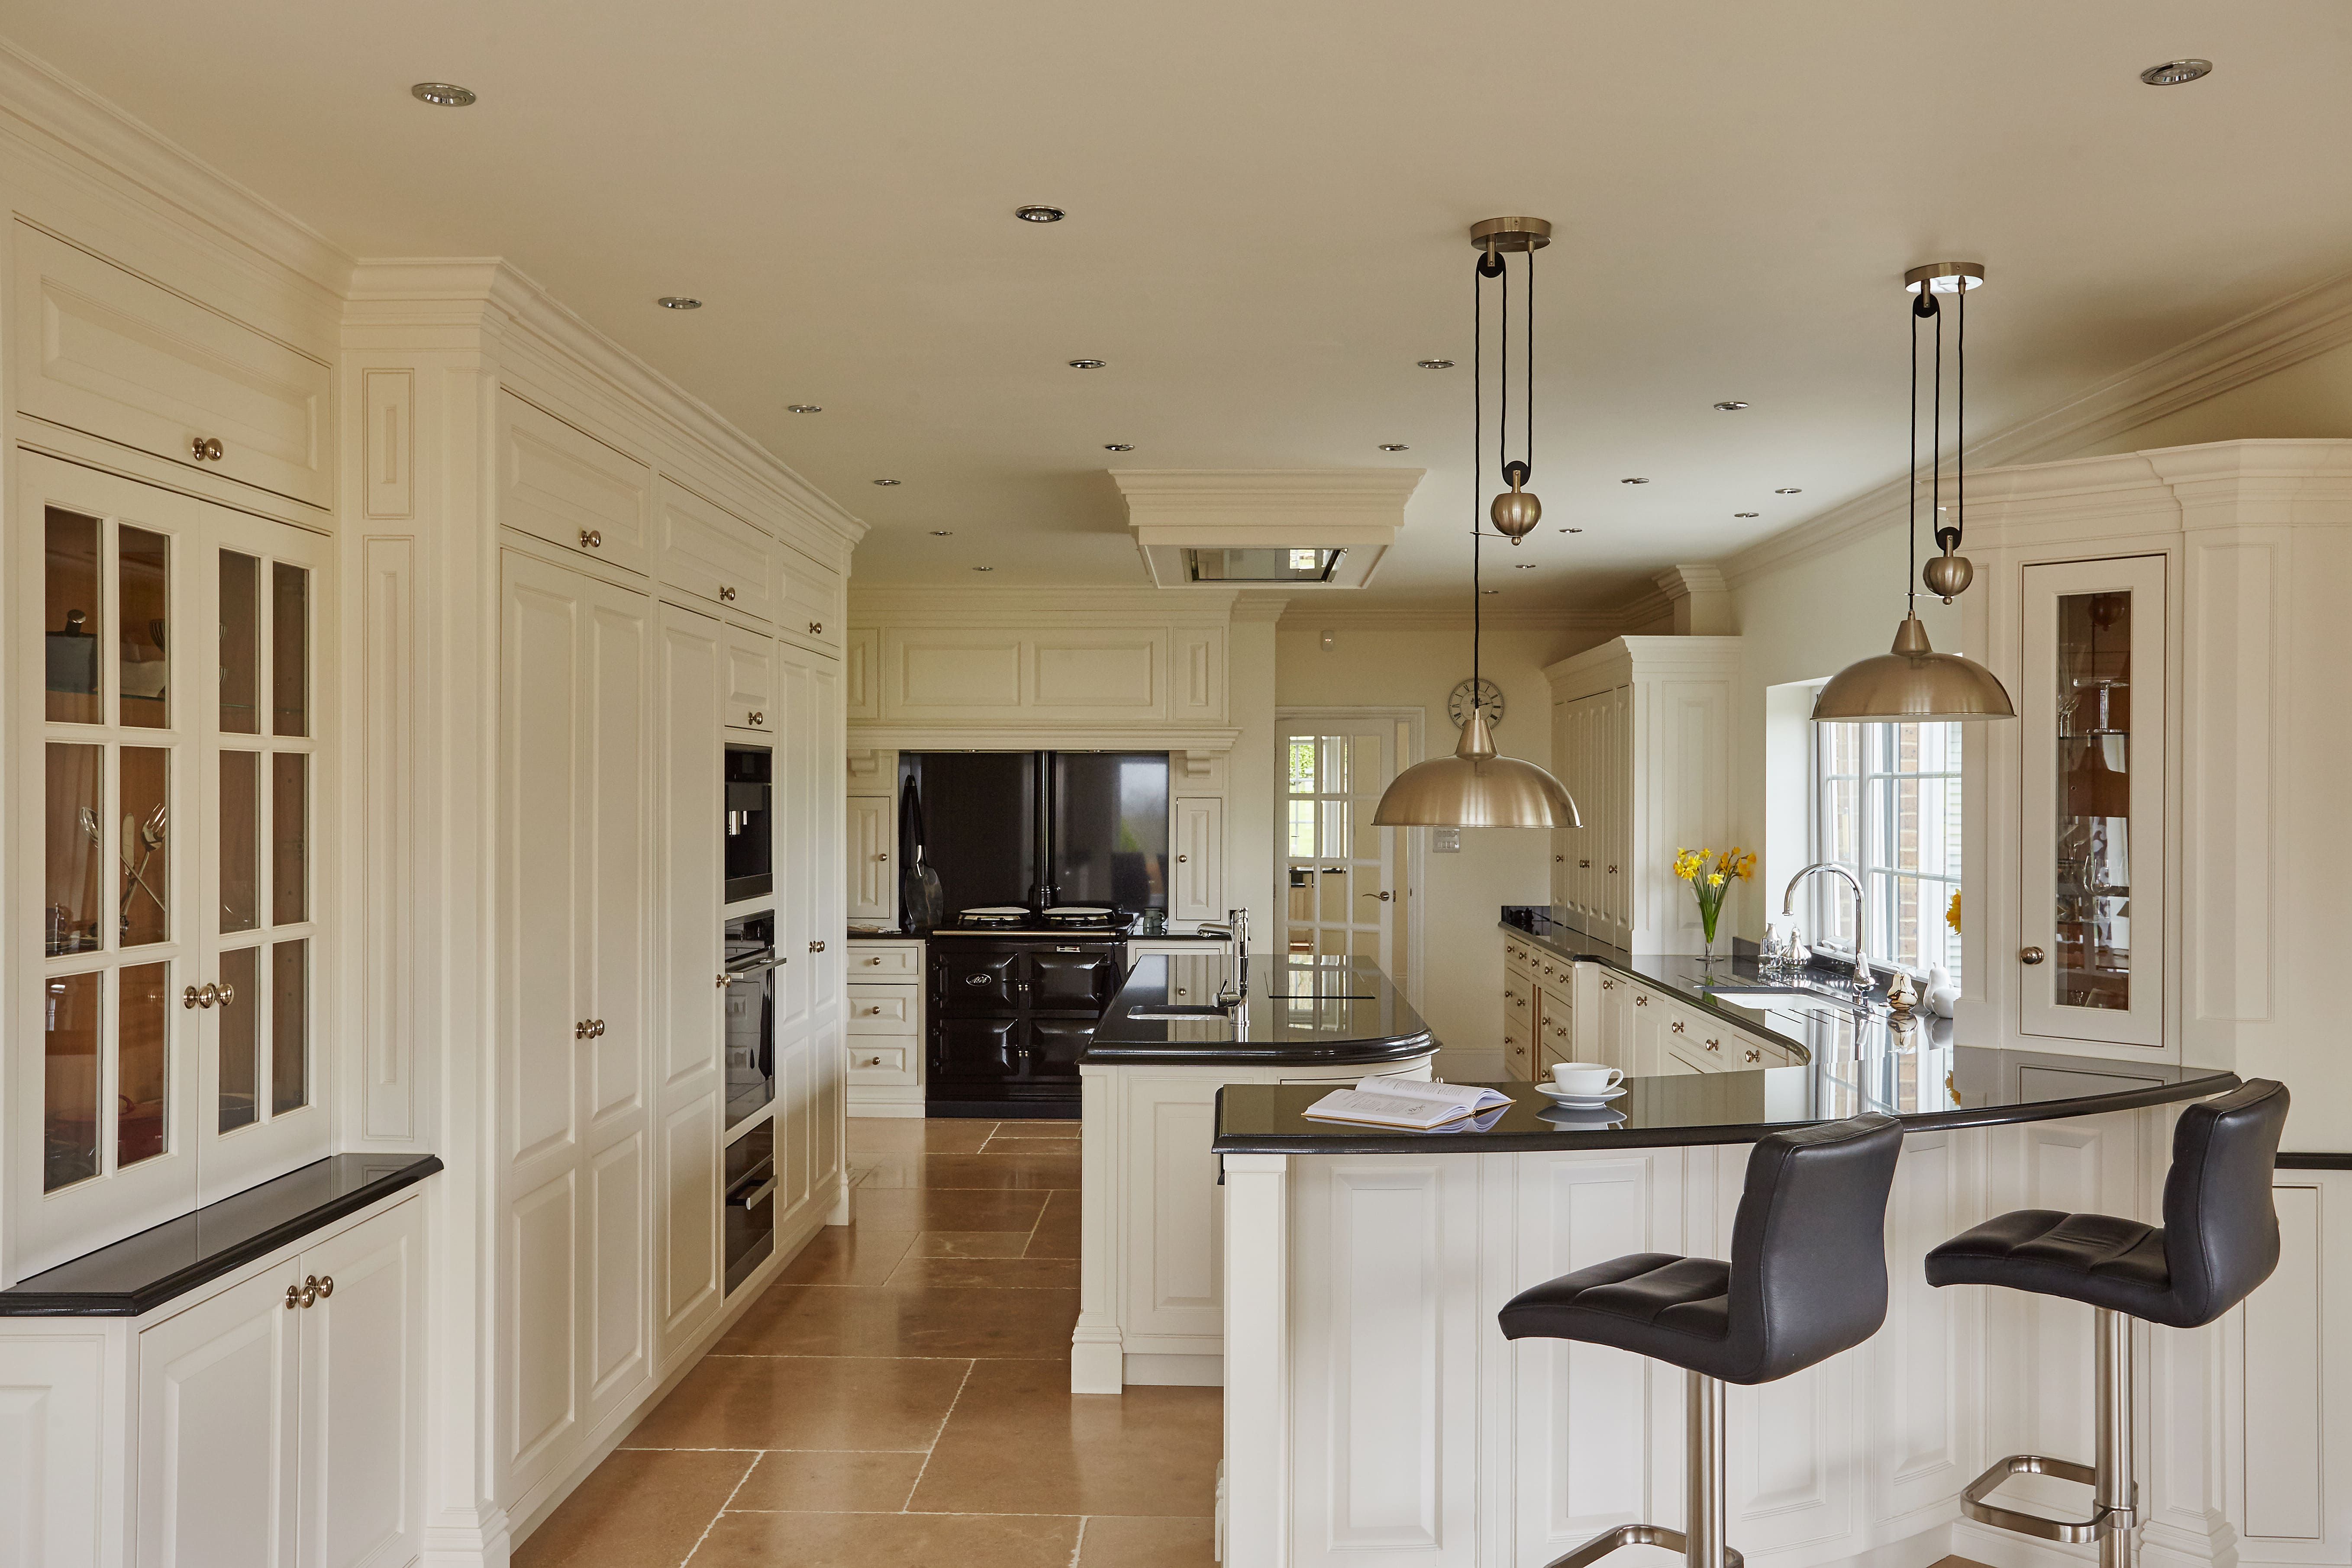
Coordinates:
1267	213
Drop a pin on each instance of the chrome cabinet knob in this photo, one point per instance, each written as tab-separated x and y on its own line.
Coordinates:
2033	955
205	448
1678	1025
722	980
228	994
190	997
817	628
726	594
1584	865
326	1285
819	947
1641	998
758	718
1714	1044
1755	1056
592	539
293	1297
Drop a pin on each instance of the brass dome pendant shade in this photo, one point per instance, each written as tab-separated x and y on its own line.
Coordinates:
1477	787
1912	683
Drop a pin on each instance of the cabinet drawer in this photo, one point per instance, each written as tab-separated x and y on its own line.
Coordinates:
882	1009
882	1061
808	603
568	488
868	961
706	551
105	352
1518	1057
751	683
1518	1004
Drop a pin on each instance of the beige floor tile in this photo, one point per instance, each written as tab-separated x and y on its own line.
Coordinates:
997	1273
785	1401
871	1135
847	1255
815	1481
887	1541
1021	1441
1057	1228
879	1321
924	1208
1026	1165
636	1511
1111	1541
1036	1128
968	1244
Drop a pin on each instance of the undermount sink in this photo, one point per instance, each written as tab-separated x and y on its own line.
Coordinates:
1179	1011
1788	996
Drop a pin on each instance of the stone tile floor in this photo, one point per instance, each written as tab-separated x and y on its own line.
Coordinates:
900	1397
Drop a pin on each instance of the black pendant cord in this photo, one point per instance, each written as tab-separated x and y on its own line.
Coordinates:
1477	466
1936	437
1959	430
1503	380
1527	358
1911	530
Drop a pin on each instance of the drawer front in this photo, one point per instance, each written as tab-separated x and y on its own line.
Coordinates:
709	553
808	607
868	961
105	352
882	1061
1555	1029
570	489
1518	1004
751	683
882	1009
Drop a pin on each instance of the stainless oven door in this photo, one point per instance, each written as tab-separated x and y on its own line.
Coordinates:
750	1217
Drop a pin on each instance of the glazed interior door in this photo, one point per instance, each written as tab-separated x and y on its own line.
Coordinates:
2091	708
1342	887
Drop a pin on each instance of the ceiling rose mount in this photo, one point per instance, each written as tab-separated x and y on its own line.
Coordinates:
1511	233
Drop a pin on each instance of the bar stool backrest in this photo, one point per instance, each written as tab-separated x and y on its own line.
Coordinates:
2220	1229
1808	1245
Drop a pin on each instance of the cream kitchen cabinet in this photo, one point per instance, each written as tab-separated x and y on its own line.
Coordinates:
751	683
280	1420
873	878
885	1036
809	602
105	352
560	484
1200	868
724	566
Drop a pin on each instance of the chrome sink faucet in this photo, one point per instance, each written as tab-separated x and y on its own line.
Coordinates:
1863	983
1235	929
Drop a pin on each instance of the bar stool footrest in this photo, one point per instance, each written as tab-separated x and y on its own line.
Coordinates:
1609	1540
2104	1522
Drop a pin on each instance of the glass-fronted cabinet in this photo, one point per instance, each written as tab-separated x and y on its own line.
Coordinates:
2093	713
173	1058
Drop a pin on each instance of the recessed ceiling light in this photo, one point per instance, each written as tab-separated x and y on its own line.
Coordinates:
1118	446
2172	73
449	95
1038	212
1571	530
886	482
1789	490
983	568
804	408
1394	447
1524	567
1089	363
1633	481
941	532
1490	592
1731	406
679	302
1434	363
1747	514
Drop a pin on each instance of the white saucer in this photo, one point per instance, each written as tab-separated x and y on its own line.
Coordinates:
1580	1101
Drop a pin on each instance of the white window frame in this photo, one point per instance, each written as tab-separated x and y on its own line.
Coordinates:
1829	896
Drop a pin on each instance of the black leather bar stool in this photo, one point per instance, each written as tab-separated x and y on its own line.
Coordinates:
2218	1240
1807	1279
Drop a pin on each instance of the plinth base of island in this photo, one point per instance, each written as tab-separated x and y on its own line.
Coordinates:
1151	1255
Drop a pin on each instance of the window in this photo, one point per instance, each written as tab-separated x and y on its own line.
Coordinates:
1888	802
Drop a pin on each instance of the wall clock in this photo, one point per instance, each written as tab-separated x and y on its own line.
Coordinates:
1490	698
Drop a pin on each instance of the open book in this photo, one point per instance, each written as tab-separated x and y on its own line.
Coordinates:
1406	1103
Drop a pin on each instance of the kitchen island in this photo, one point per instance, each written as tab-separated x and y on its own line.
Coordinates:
1373	1411
1150	1292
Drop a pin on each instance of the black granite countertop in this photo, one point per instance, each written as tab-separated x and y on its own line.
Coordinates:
1311	1012
856	935
142	1272
1856	1060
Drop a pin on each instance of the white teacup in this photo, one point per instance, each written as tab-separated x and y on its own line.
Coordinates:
1585	1077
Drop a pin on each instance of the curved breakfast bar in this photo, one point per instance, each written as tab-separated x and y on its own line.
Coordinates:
1373	1408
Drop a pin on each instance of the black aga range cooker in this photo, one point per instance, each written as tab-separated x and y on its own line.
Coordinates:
1014	998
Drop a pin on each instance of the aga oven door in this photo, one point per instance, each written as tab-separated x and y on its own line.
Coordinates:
1074	977
975	979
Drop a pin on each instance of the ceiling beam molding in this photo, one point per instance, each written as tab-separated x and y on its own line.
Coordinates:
2260	342
1027	607
1174	512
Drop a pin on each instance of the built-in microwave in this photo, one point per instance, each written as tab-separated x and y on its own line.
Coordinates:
751	847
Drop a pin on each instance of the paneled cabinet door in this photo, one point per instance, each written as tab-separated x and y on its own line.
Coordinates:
1200	871
219	1417
751	691
873	879
570	489
708	551
808	607
362	1394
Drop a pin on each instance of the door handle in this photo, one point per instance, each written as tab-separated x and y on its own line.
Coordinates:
1383	896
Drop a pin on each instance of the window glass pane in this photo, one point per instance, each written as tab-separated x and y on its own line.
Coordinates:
69	1080
70	903
146	858
240	840
1302	764
1895	816
240	1052
289	650
240	644
290	839
145	567
69	617
1302	829
143	1026
290	1027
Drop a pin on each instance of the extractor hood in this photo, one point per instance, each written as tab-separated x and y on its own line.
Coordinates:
1296	528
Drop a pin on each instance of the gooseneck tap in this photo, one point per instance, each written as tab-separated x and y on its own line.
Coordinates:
1863	983
1235	929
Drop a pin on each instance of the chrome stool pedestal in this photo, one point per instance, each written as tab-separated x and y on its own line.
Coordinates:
1701	1543
2111	1476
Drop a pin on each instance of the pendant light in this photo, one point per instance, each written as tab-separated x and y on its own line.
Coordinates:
1914	684
1476	787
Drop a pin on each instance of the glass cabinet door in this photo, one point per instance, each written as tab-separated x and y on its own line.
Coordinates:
2092	705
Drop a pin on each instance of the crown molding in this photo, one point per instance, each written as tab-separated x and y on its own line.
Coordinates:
1259	609
1372	617
2260	342
975	606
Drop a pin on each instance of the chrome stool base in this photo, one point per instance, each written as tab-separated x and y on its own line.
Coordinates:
1701	1542
2114	1491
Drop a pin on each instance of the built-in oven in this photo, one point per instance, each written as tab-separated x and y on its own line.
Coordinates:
750	845
750	1025
751	1215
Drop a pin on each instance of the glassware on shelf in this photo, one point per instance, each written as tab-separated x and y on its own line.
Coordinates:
2092	884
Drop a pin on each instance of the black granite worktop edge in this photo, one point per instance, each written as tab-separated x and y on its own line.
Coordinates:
143	1272
1398	1034
2315	1160
1285	1053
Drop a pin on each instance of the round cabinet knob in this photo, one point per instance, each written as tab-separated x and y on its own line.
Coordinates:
1584	865
592	539
882	857
2033	955
1714	1044
1755	1056
206	448
228	994
871	961
207	995
819	947
726	594
874	1061
722	980
758	718
188	997
817	628
1678	1025
1180	859
1641	998
293	1297
326	1285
